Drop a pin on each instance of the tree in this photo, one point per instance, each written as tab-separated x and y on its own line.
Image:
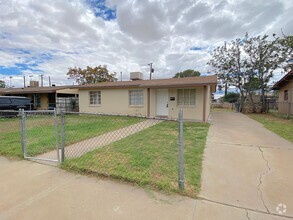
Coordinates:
91	75
249	63
230	65
287	43
2	84
264	57
231	97
187	73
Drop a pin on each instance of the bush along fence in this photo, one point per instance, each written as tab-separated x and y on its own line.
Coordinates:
160	153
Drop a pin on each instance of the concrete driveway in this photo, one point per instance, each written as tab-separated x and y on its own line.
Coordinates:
247	169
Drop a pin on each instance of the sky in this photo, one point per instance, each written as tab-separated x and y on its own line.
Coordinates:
47	37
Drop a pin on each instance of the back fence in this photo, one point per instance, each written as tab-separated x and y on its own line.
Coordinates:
285	108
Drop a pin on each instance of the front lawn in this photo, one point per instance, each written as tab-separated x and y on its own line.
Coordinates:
279	125
149	157
41	135
10	139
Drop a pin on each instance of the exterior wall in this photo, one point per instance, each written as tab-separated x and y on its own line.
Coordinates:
113	101
283	104
44	102
67	91
208	102
189	112
153	104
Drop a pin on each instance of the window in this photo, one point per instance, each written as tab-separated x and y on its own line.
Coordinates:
286	94
5	101
186	97
136	97
38	100
95	98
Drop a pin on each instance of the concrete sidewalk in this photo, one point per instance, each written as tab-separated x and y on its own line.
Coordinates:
247	167
32	191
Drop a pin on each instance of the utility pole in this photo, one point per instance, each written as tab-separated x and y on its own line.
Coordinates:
49	81
42	77
10	77
23	81
121	76
151	70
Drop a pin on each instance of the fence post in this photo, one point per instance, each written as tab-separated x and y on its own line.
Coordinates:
180	151
56	133
62	137
22	130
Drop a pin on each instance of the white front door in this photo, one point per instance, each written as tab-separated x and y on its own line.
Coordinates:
162	102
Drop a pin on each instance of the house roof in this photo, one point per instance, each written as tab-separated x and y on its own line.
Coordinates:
287	78
31	90
156	83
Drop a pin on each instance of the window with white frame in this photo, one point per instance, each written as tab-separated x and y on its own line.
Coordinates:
186	97
95	98
135	97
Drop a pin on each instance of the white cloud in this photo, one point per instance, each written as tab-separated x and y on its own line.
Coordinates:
53	35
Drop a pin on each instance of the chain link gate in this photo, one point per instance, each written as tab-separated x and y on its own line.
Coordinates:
39	135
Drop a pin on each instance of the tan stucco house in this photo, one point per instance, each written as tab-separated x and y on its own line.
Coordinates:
151	98
285	90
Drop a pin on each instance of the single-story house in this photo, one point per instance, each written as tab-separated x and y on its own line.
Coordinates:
151	98
44	98
285	88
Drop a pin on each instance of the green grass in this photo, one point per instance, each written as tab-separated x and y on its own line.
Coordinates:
149	158
81	127
276	123
41	136
10	139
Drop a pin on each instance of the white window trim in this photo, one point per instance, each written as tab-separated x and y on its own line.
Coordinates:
100	98
187	105
135	105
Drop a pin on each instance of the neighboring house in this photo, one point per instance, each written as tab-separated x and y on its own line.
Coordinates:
285	87
43	98
151	98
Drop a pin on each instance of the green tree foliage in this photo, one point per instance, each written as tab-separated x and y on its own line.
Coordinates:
287	43
249	63
91	75
231	97
2	84
229	64
264	57
187	73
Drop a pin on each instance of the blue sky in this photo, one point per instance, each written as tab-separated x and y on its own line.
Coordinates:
126	35
100	9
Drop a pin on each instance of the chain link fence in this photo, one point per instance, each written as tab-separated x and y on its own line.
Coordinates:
10	134
161	153
139	150
285	108
40	132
